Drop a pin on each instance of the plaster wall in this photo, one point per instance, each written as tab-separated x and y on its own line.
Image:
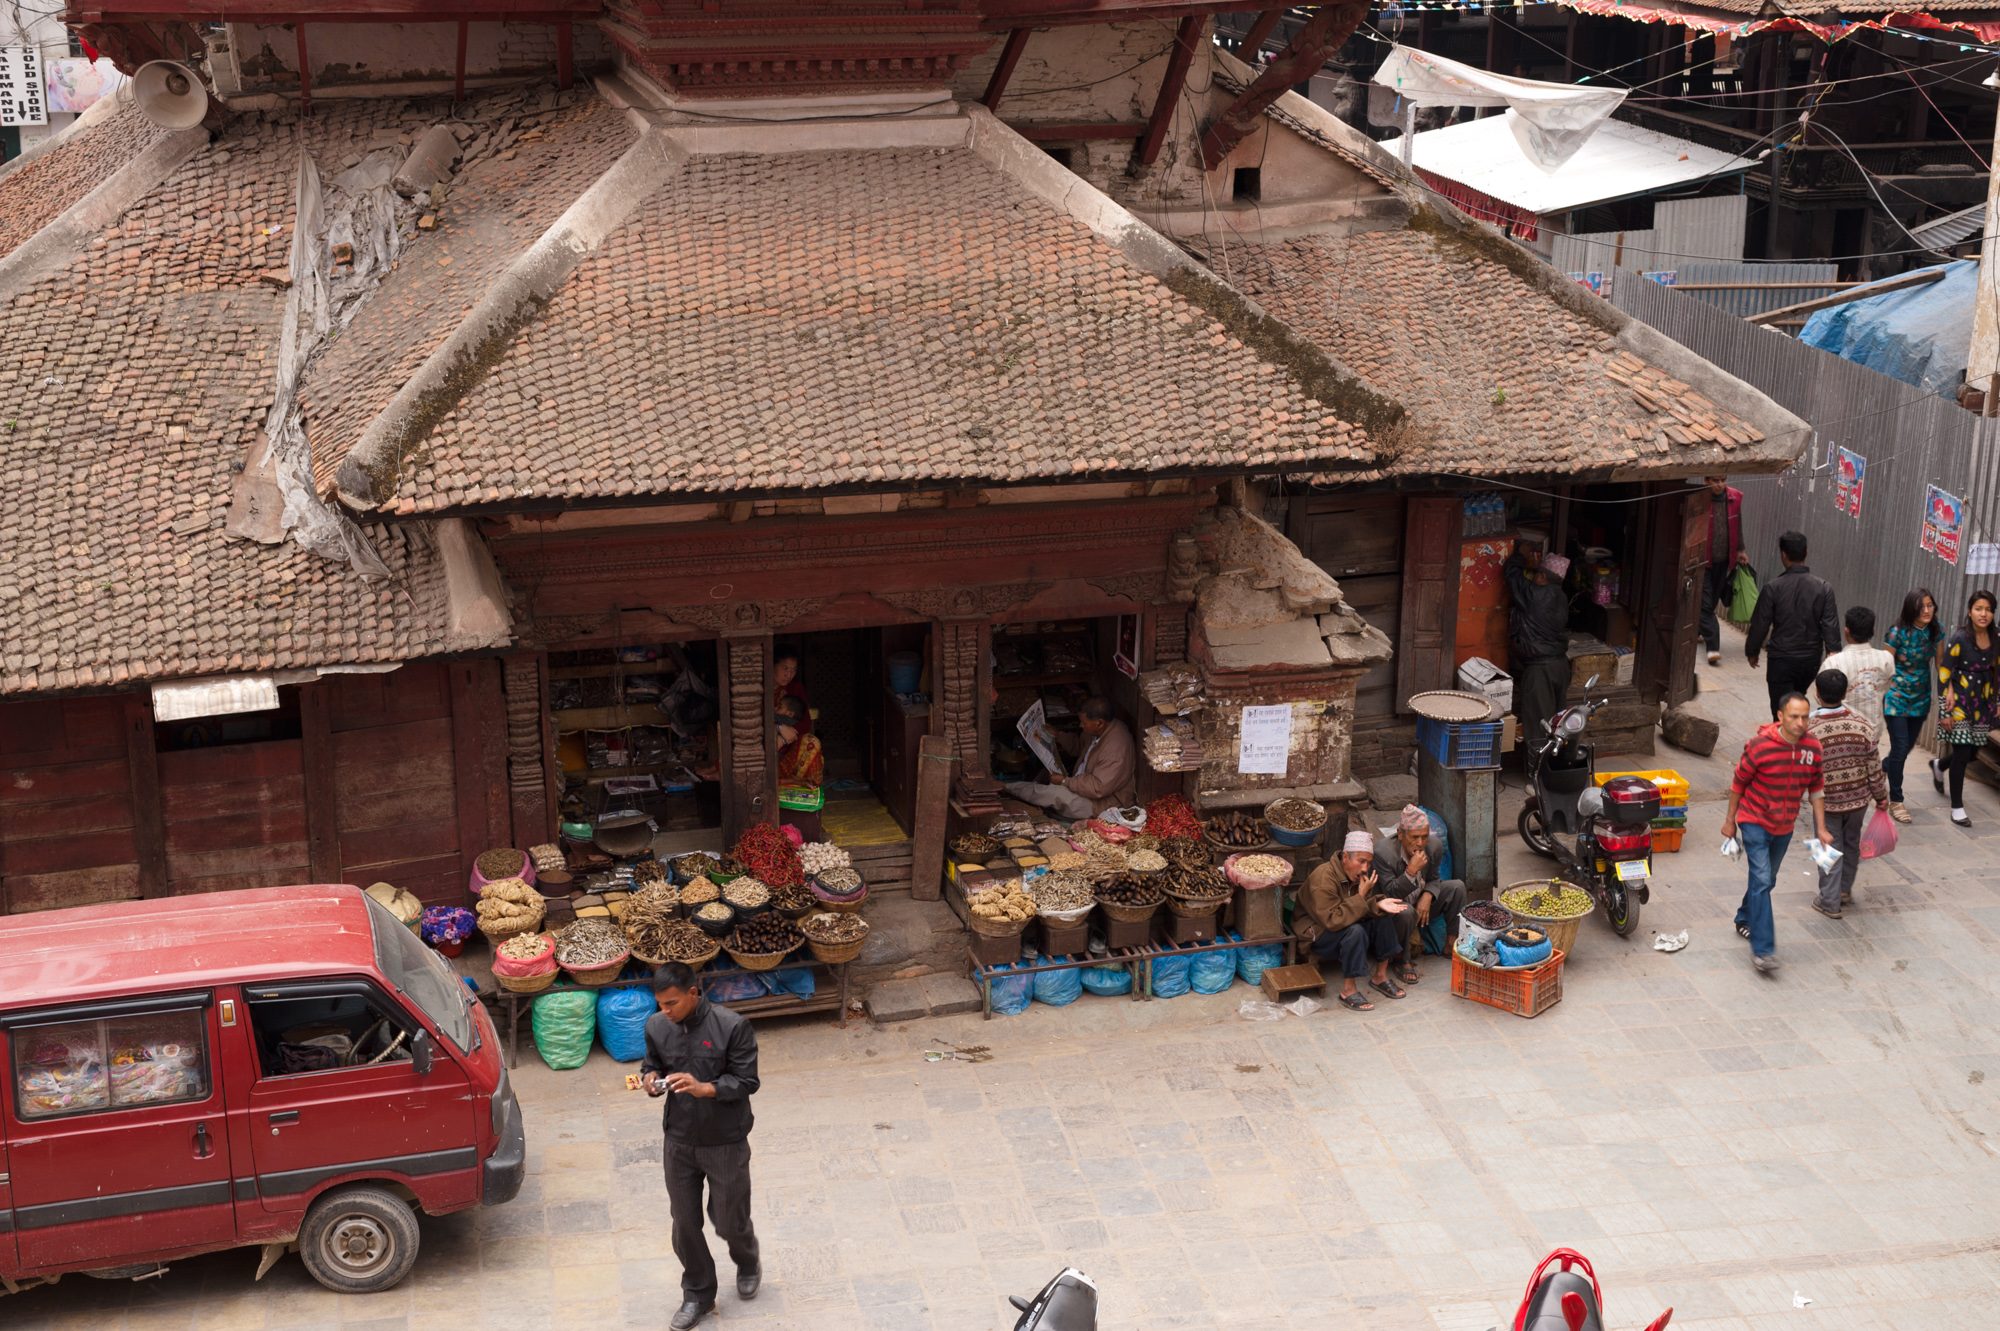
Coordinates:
266	58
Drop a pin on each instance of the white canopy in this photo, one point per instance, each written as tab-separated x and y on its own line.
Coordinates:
1620	161
1549	120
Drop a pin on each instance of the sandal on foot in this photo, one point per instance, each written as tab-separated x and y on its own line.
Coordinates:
1409	972
1742	931
1899	811
1389	987
1356	1002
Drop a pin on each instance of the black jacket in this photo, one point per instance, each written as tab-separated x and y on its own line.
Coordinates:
716	1045
1538	625
1795	617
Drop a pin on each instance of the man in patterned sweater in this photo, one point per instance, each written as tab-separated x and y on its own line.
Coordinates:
1780	766
1851	768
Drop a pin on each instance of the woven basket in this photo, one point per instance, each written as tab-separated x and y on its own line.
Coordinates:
1562	933
758	961
995	928
692	963
497	936
1128	914
1074	915
845	907
591	977
1196	906
526	984
836	954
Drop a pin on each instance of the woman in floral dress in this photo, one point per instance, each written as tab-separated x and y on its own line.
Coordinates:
1914	643
1968	694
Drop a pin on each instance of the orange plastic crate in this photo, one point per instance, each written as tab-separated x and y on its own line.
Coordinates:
1667	840
1525	993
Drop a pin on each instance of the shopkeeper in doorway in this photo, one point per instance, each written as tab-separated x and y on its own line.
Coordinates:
1106	775
801	769
785	683
1538	642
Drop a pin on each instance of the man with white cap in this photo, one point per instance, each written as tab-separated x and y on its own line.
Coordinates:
1537	641
1408	857
1343	916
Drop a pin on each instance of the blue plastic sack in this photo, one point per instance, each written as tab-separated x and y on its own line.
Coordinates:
793	981
1510	955
1011	992
1170	976
1110	981
1252	962
1444	840
735	988
621	1022
1432	935
1211	972
1058	988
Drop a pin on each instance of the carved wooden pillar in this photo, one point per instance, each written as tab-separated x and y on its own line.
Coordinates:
749	778
962	707
529	759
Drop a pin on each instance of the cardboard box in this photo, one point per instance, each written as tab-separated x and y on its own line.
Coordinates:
1481	676
1627	659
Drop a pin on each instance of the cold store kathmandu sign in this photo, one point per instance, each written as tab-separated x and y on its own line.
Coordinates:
23	100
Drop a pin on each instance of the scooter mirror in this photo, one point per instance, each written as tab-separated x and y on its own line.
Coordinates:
1590	684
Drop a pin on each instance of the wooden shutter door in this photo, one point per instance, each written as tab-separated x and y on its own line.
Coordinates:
1430	596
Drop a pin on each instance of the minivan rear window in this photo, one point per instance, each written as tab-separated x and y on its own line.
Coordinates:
81	1067
422	976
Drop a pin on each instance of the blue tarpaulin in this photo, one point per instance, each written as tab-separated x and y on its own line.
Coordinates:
1920	335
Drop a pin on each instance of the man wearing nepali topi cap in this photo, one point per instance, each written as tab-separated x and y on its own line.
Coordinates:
1408	857
1343	916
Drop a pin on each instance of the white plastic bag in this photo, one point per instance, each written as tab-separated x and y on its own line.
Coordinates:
1823	855
1303	1006
1732	848
1258	1009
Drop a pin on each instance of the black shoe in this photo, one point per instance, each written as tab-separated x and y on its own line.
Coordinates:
691	1312
747	1283
1937	776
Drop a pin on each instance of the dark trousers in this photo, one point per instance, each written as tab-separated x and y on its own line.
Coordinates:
1789	674
1540	688
1714	586
726	1171
1375	939
1957	758
1903	732
1845	829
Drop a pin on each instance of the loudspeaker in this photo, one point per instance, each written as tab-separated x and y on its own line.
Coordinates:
168	94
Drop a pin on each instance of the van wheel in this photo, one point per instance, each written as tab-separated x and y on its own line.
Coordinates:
359	1240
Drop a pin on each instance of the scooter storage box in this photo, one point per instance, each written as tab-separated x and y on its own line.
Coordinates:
1631	799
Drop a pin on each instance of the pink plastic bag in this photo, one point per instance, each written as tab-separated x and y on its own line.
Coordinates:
1879	837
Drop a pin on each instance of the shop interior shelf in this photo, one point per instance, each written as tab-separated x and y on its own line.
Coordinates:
1042	681
609	669
629	716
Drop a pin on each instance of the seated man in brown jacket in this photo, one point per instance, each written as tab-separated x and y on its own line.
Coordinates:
1341	915
1106	775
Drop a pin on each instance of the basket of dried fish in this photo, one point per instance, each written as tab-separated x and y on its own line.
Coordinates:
592	951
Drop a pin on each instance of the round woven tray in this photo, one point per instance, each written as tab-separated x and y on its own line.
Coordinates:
593	976
1128	914
758	961
526	984
1451	705
836	954
995	928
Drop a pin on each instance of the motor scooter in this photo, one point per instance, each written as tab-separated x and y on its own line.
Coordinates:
1601	836
1067	1303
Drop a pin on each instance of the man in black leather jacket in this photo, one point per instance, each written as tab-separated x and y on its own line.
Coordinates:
1796	621
703	1059
1537	643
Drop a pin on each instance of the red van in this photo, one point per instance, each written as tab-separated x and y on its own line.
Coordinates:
277	1066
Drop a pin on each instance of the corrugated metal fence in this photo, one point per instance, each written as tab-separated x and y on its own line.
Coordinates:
1912	440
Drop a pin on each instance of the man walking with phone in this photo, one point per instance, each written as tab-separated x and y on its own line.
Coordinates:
703	1059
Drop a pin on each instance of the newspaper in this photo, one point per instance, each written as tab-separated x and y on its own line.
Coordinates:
1034	728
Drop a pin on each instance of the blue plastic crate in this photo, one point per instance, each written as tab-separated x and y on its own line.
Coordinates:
1460	744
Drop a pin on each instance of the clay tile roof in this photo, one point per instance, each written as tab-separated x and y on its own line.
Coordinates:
36	191
1499	368
136	379
518	181
865	318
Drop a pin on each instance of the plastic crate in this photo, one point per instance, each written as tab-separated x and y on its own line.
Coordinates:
1673	786
1672	811
1461	744
1527	992
1667	840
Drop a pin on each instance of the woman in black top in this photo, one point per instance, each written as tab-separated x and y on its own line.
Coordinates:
1968	694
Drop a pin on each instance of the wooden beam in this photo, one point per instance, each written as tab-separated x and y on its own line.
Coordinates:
1260	32
1185	38
1065	133
149	823
1324	33
305	72
935	764
1010	56
458	79
322	793
1923	277
565	55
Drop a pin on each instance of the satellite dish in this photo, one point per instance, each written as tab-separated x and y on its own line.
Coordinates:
168	94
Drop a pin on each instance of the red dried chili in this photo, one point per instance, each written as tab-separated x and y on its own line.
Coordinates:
767	854
1170	818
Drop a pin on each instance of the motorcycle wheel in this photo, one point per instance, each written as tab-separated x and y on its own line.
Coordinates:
1534	833
1621	908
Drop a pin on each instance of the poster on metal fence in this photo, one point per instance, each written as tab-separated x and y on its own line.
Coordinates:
1850	470
1944	515
1982	557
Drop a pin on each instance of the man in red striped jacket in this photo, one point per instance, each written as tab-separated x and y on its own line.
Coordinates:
1780	766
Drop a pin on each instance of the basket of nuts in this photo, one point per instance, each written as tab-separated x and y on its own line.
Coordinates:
1129	899
762	941
835	937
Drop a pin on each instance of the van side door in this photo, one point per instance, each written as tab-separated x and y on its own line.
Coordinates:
338	1095
8	1256
116	1144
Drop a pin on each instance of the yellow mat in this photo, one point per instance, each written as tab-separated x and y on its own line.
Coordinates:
859	821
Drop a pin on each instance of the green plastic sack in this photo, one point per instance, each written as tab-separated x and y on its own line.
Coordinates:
1742	594
564	1026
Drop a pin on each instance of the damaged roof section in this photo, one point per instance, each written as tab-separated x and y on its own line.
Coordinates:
36	190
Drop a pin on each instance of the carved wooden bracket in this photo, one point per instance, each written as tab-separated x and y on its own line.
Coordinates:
1139	588
964	602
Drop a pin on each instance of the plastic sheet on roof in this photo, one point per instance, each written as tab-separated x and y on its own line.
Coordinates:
1550	121
1920	335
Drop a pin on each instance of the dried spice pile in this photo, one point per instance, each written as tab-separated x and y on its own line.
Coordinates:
1172	818
501	863
1062	891
589	944
696	865
1006	904
1128	891
1238	829
834	927
767	854
819	856
975	846
765	934
699	892
1295	815
746	894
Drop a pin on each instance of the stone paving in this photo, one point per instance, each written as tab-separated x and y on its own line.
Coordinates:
1714	1139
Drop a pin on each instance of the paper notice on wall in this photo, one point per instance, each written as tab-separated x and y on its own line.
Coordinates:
1982	557
1034	728
1266	745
